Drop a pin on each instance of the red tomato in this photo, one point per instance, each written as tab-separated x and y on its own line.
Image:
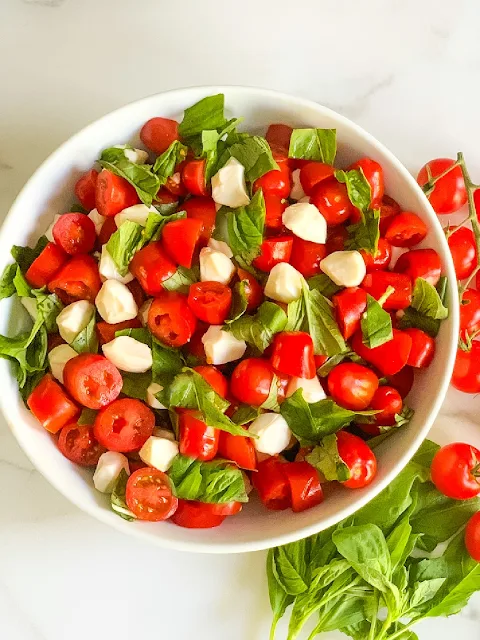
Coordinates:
237	449
106	232
463	249
78	279
180	238
273	251
158	134
51	406
46	265
253	290
388	358
278	137
272	485
472	537
197	440
466	372
336	237
92	380
293	354
455	471
306	256
449	193
113	194
349	306
331	199
389	402
359	458
304	484
175	185
377	283
106	332
402	381
352	385
210	301
274	208
164	196
85	189
78	444
406	230
193	177
149	495
420	263
124	425
171	320
195	346
373	172
276	181
314	172
470	312
389	208
196	515
75	233
423	348
319	360
226	508
137	292
381	259
54	340
251	381
202	209
215	379
151	266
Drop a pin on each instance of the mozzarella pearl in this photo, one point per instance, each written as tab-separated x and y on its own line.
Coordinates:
97	220
222	346
152	389
312	389
306	222
228	185
219	245
297	192
345	268
108	269
159	453
284	283
128	354
109	467
115	303
215	266
74	318
137	213
58	358
273	433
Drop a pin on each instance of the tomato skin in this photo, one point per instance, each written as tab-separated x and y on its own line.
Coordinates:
305	486
74	233
466	372
389	208
85	189
293	354
106	332
203	209
113	194
388	358
423	348
251	381
274	208
331	199
46	265
273	251
275	182
336	237
197	439
215	379
278	137
164	196
349	306
359	458
78	444
314	172
193	177
78	279
449	193
180	238
54	340
210	301
377	283
106	232
151	266
253	289
92	380
306	256
124	425
196	515
51	406
149	495
463	250
470	312
171	320
238	449
452	468
420	263
472	537
388	401
158	134
352	385
381	259
226	508
373	172
406	230
402	381
272	485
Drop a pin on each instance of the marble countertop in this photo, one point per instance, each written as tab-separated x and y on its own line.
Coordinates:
407	71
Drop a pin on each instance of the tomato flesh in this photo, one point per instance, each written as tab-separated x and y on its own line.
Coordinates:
306	256
46	265
448	194
463	249
203	209
197	439
466	372
273	251
149	495
253	290
359	458
423	348
158	134
349	306
215	379
420	263
251	381
388	358
113	194
406	230
331	199
352	385
51	406
151	266
293	354
124	425
377	283
197	515
180	238
171	320
85	189
74	233
305	487
92	380
272	484
472	537
237	449
78	279
210	301
79	445
193	177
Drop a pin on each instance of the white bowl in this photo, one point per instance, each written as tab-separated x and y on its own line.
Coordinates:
50	191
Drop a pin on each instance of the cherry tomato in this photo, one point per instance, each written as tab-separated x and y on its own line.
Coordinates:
78	279
175	185
197	439
113	194
79	445
423	348
164	196
293	354
314	172
272	485
470	312
377	283
158	134
149	495
388	358
331	199
92	380
420	263
203	209
215	379
195	346
226	508
373	172
449	193
54	340
171	320
193	177
472	537
180	239
75	233
406	230
381	259
349	305
46	265
124	425
278	137
253	290
402	381
273	251
276	181
210	301
466	372
319	360
197	515
352	385
304	484
274	208
237	449
359	458
389	208
151	266
463	249
85	189
455	471
251	381
106	232
137	292
306	256
51	406
106	332
336	237
389	402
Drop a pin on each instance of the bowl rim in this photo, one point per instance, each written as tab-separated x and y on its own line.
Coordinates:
370	492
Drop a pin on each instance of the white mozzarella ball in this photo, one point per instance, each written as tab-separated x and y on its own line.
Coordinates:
345	268
273	433
306	222
152	389
74	318
297	192
58	358
97	220
222	346
284	283
109	467
49	232
219	245
137	156
228	185
215	266
108	269
128	354
312	389
137	213
159	453
115	302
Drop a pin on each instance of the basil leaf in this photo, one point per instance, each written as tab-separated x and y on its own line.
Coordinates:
245	228
358	188
245	414
212	144
77	208
326	459
323	285
239	301
87	416
290	567
140	334
135	385
366	233
167	363
376	324
271	403
166	163
145	182
254	153
426	300
117	499
313	144
7	288
259	330
279	599
414	319
48	308
208	113
27	351
22	287
182	279
404	417
332	362
86	341
123	245
113	154
24	256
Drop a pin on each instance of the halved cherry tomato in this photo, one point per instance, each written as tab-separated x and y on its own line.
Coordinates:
381	259
402	381
113	194
276	181
85	189
278	137
175	186
149	495
389	402
195	346
51	406
78	279
215	379
79	445
158	134
406	230
389	208
274	208
472	537
106	232
463	249
319	360
273	251
202	208
164	196
197	439
124	425
331	199
470	312
106	332
420	263
352	385
349	306
373	172
455	471
137	292
151	266
180	238
92	380
390	357
358	457
171	320
251	381
314	172
466	372
196	515
226	508
253	290
306	256
210	301
46	265
293	354
336	237
423	348
193	177
237	449
75	233
272	485
305	486
448	194
377	283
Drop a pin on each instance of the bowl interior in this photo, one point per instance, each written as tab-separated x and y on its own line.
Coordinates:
50	191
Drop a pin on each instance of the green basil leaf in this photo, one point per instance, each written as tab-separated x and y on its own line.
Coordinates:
156	221
328	366
145	182
7	288
376	324
48	308
208	113
86	341
245	228
239	301
366	233
404	417
290	567
113	154
358	188
211	145
22	287
117	499
182	279
77	208
279	599
313	144
413	319
167	363
87	417
135	385
271	403
423	592
141	335
24	256
166	163
123	245
259	330
28	351
426	300
254	153
323	285
245	414
326	459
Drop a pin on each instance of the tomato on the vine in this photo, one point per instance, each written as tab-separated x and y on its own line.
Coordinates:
472	537
463	249
448	193
455	471
358	457
470	312
466	372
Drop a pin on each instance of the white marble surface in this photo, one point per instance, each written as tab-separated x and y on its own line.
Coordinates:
408	71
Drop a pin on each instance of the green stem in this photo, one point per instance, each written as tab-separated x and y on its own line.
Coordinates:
373	626
399	633
472	215
385	627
